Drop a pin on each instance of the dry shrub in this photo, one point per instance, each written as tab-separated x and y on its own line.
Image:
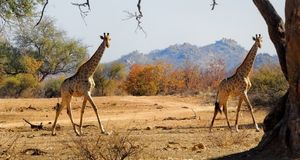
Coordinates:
7	146
112	147
268	85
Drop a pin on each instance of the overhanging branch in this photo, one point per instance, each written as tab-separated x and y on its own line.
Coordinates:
137	16
81	7
214	3
42	13
276	30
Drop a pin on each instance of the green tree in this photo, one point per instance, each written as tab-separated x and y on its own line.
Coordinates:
268	84
51	87
108	79
14	86
15	9
51	46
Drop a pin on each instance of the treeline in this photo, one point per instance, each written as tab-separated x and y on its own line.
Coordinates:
148	79
29	55
34	61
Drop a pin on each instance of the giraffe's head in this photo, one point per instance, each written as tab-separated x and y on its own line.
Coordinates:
258	40
106	38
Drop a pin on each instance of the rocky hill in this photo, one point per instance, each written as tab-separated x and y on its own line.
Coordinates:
226	50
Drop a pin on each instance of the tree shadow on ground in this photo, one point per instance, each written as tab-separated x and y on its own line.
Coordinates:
256	154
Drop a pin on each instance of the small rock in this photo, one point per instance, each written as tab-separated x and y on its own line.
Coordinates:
148	128
159	107
197	147
30	136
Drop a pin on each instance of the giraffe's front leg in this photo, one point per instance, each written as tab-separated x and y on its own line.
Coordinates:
59	108
237	114
89	98
69	111
81	114
251	110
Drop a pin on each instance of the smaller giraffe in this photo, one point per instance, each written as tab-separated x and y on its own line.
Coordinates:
237	85
81	84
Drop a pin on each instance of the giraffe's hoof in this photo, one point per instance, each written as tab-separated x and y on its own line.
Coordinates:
53	134
257	130
237	129
106	133
76	132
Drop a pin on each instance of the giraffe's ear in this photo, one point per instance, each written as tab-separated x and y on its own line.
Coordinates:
101	37
253	38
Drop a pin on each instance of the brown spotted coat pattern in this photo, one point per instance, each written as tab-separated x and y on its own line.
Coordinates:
81	84
238	85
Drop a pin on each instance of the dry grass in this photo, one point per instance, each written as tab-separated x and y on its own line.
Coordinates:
140	129
114	147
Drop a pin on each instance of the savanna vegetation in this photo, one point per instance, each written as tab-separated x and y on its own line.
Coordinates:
29	58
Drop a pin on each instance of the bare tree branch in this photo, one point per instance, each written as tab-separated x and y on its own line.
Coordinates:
276	30
83	13
214	3
42	13
137	16
85	4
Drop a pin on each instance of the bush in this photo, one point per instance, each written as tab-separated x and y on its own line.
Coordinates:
143	80
15	86
52	87
108	79
268	84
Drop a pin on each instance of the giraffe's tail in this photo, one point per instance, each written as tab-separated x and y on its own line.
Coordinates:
217	107
217	104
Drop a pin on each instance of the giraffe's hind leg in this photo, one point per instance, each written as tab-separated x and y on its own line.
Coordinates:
251	110
69	111
212	122
237	114
59	108
225	112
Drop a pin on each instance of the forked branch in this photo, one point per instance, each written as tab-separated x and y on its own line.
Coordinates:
42	14
137	16
34	126
214	3
81	6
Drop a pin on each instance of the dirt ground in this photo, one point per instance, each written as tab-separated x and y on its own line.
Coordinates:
163	127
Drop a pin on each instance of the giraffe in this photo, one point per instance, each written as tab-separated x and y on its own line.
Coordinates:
81	84
238	85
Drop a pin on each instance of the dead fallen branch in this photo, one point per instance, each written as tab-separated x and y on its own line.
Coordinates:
33	152
164	127
182	119
34	126
179	119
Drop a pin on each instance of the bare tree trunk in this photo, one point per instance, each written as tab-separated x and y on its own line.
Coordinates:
292	16
282	124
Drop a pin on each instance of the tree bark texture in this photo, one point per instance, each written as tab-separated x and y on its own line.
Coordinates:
282	124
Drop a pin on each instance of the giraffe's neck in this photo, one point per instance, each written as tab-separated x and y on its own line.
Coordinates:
245	68
89	67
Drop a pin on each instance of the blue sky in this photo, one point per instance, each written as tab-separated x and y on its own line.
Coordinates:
166	22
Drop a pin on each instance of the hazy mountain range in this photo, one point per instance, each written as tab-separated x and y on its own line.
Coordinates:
226	50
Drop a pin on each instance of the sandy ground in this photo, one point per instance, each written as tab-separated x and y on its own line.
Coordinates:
162	127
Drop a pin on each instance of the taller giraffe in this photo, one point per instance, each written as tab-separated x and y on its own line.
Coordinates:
81	84
238	85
